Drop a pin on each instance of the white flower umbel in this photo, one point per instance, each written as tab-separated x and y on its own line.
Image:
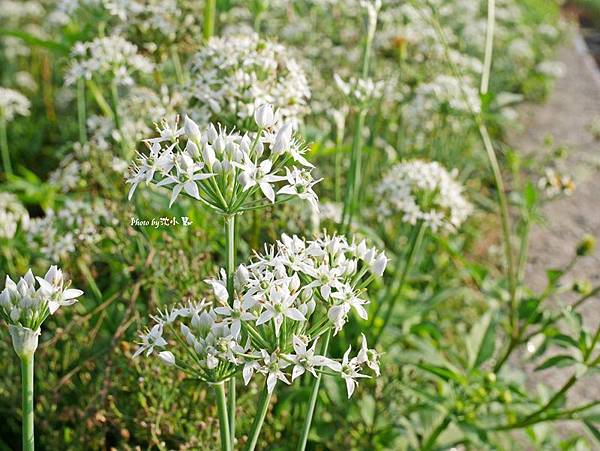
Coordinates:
421	191
284	301
12	215
232	76
226	170
13	103
24	306
111	56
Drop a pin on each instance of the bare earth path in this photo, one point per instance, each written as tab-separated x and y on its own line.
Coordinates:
566	116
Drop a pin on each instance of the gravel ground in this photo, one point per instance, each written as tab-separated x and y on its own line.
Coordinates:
566	117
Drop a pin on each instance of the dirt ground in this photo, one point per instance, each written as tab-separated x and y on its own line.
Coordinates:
566	116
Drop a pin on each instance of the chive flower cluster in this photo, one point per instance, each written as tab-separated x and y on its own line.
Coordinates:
224	169
12	215
418	190
25	305
111	56
13	103
232	76
283	302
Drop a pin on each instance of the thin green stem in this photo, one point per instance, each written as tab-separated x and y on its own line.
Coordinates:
81	112
230	244
27	402
259	419
223	417
4	146
489	46
114	89
414	244
353	182
210	11
312	402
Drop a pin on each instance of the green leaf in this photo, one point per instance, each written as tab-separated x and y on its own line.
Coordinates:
481	340
553	275
558	361
530	195
444	373
593	431
35	41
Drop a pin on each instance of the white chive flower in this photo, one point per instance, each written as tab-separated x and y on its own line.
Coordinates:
417	190
25	305
112	57
233	77
282	304
13	103
227	170
12	215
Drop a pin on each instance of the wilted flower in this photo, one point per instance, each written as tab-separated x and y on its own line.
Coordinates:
417	190
553	183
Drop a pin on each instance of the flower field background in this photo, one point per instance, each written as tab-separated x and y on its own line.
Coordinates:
297	225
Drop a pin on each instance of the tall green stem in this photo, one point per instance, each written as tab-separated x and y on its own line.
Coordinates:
223	417
259	419
230	244
27	402
312	403
117	117
414	244
353	183
4	146
489	46
210	10
81	113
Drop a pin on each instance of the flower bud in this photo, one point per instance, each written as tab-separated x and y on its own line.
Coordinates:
191	129
586	246
380	264
167	358
208	155
264	116
241	276
25	341
211	134
283	138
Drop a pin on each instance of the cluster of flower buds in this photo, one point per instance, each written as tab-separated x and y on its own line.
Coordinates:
227	170
283	302
424	191
25	307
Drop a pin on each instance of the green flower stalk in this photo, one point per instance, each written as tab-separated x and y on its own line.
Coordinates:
428	198
24	308
12	103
